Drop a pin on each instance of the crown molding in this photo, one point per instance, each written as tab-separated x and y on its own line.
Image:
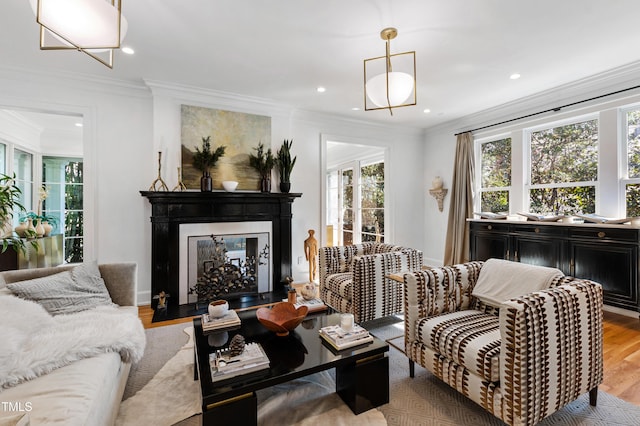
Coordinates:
73	80
219	98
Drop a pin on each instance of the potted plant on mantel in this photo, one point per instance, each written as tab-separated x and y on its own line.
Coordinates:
263	161
204	160
285	165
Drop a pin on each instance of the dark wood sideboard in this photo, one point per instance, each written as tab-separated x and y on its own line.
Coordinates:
170	209
607	254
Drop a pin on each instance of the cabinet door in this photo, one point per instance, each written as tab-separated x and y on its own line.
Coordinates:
538	251
614	266
486	245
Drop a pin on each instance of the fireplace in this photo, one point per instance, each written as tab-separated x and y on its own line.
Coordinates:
171	211
224	260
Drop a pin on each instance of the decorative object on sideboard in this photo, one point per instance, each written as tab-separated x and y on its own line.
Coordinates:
285	165
263	161
392	84
158	184
281	318
206	159
230	185
438	191
180	186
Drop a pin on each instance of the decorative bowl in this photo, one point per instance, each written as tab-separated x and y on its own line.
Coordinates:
229	185
282	317
218	308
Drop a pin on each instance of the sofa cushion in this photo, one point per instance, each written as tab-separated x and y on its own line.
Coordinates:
76	394
341	284
75	290
500	280
469	338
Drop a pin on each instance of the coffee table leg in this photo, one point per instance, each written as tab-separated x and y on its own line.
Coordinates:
364	384
241	410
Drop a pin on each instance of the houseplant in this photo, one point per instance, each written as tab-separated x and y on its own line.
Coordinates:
263	161
10	205
285	165
205	159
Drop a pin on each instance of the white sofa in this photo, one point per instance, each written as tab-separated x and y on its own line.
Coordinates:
87	391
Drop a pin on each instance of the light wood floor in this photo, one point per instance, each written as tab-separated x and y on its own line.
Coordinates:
621	352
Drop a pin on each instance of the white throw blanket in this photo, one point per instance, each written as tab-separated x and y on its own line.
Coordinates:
500	280
35	343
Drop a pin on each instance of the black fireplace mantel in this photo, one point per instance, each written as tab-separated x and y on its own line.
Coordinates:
170	209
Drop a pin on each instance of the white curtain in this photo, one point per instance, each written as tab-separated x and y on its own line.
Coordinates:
457	243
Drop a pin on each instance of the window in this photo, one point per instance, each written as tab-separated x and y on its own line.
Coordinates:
495	175
23	169
564	169
63	179
355	202
3	158
372	201
632	173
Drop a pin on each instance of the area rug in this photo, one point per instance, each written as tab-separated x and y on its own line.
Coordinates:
423	400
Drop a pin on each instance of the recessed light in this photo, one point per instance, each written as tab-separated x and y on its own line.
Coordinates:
321	89
355	109
427	111
78	124
514	76
128	50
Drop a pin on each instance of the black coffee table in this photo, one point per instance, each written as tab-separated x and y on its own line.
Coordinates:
362	373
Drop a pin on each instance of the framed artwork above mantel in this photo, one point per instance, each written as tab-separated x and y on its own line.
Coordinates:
239	132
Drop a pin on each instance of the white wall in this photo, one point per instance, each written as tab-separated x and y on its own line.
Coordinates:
126	124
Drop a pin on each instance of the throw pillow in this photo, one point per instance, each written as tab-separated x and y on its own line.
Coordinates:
500	280
76	290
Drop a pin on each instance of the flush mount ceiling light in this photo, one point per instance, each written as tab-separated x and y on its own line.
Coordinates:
94	27
394	80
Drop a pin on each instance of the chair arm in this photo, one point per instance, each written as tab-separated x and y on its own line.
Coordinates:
381	265
551	349
437	290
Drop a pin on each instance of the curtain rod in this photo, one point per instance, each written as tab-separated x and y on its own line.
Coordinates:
556	109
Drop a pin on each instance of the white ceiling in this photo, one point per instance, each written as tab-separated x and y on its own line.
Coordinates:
282	50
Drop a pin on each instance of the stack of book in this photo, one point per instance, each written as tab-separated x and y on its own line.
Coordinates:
229	320
313	305
340	339
224	366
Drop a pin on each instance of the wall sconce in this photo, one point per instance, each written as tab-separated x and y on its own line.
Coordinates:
438	191
94	27
390	88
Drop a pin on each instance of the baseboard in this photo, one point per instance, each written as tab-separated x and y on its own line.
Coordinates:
144	298
620	311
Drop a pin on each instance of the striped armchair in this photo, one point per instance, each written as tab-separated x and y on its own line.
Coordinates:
521	361
354	278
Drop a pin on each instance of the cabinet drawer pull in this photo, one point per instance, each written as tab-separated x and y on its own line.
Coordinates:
537	230
489	227
601	234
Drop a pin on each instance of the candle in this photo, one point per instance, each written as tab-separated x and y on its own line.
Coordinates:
346	322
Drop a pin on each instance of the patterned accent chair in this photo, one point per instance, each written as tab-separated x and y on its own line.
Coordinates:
520	361
354	278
